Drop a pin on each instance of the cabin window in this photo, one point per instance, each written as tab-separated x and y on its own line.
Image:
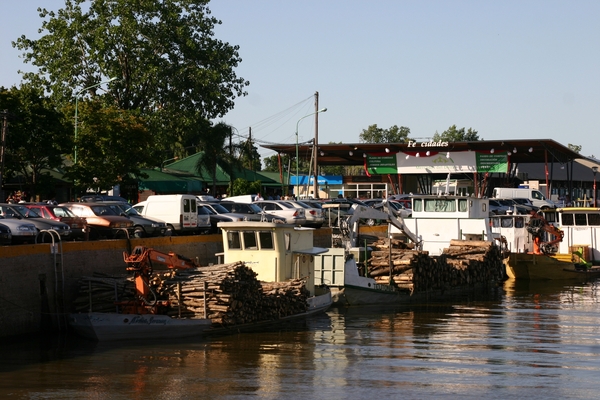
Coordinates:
250	241
594	219
462	205
507	222
495	222
519	222
288	241
417	205
440	205
266	240
233	240
567	219
581	219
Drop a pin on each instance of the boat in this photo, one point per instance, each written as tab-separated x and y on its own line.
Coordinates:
275	252
435	223
556	244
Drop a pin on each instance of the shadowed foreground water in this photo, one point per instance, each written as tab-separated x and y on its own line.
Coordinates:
531	340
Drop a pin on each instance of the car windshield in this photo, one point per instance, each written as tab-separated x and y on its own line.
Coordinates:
507	203
103	210
219	208
63	212
9	212
26	212
129	210
204	210
255	208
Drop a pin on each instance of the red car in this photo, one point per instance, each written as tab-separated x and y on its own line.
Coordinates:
63	214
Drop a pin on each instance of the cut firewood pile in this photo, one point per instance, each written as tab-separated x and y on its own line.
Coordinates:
463	263
231	293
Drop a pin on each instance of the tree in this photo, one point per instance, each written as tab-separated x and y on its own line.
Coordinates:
453	134
37	135
249	156
575	147
374	134
170	68
215	152
111	143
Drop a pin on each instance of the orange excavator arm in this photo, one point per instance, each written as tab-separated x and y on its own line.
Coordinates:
141	262
537	226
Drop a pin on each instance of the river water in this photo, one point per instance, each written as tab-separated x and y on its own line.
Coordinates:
531	340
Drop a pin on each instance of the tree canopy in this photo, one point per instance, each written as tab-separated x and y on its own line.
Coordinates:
170	68
453	134
394	134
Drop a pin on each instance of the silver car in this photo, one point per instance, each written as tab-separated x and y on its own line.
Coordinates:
41	223
293	215
314	215
21	230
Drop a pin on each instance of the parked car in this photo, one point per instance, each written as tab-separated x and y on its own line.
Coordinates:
512	206
218	213
332	213
204	219
94	198
497	208
251	211
397	208
102	220
284	209
179	211
5	235
523	201
63	214
42	224
143	226
313	214
22	231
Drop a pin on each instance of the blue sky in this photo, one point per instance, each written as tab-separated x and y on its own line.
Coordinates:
508	69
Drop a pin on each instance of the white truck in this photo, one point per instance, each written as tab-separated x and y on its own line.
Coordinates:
535	196
179	211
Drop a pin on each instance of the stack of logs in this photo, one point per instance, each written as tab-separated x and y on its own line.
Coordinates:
230	293
464	263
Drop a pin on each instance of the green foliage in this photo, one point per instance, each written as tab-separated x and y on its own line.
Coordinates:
242	187
111	144
374	134
36	137
171	70
249	156
575	147
453	134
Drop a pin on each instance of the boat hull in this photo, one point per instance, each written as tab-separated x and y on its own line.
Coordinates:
110	327
546	267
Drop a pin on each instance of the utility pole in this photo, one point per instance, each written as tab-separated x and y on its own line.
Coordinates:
4	115
316	148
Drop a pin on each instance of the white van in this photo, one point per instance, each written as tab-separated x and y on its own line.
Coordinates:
179	211
535	196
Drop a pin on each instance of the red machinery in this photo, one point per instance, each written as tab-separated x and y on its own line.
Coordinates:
141	262
540	229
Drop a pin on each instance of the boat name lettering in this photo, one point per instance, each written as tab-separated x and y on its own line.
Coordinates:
147	321
387	288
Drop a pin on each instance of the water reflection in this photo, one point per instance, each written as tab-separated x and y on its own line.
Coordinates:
530	339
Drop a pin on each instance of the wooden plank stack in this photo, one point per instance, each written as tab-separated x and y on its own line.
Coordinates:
463	263
233	294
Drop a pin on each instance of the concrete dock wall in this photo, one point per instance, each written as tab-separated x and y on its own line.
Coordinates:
35	280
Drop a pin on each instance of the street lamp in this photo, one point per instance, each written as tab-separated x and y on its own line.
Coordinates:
76	104
297	173
594	170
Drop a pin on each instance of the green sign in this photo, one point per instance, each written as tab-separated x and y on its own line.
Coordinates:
492	162
382	164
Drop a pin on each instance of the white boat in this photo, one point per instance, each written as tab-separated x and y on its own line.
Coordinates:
112	326
573	255
435	221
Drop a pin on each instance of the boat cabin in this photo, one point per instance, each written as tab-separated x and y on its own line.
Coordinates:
581	226
276	252
437	220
